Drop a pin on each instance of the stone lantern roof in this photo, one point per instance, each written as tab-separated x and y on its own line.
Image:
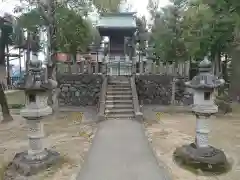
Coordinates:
35	79
205	78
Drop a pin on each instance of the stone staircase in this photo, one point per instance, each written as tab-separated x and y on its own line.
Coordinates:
119	100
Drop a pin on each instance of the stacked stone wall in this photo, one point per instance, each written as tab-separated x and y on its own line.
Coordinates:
79	89
157	89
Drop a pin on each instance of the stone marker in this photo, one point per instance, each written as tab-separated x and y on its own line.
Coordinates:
201	155
37	157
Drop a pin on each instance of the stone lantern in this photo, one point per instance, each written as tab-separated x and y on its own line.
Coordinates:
36	88
201	155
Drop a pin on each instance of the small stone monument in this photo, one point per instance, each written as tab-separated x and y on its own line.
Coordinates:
37	157
200	155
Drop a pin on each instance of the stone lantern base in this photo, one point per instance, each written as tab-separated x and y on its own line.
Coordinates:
206	159
22	166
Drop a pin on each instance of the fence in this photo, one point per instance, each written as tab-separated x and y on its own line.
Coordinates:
142	67
149	67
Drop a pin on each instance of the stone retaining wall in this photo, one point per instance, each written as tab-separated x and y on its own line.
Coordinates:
157	89
79	90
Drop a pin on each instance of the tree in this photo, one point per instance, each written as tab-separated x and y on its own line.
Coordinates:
73	32
190	30
5	31
166	35
107	6
153	8
142	33
218	21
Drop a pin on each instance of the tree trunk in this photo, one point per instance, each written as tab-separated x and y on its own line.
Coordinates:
28	53
8	66
225	70
235	74
217	63
3	102
51	67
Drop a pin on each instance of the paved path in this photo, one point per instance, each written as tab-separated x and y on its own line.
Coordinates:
120	151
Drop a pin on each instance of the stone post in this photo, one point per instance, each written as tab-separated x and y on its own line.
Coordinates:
158	69
89	67
202	130
149	66
134	65
173	91
104	61
96	67
141	65
81	66
37	157
154	67
200	154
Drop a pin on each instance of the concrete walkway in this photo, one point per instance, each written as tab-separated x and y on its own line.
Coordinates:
120	151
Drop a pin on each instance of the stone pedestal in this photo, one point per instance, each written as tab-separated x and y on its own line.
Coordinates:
204	158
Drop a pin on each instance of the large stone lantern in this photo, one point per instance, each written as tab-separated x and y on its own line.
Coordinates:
200	154
36	88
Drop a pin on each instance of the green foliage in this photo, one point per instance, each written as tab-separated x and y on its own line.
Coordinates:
142	33
73	32
31	20
107	6
6	31
193	28
16	106
223	102
166	35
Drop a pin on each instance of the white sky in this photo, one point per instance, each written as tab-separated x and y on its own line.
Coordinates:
139	6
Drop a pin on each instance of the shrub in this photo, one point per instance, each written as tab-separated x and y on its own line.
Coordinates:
223	102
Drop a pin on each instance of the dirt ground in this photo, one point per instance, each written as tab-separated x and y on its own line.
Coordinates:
64	133
175	130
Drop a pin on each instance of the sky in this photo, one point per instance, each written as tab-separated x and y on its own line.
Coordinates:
7	6
141	8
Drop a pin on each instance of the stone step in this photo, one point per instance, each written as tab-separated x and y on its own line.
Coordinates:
120	116
119	82
119	111
119	86
119	106
122	97
119	78
119	89
119	92
119	101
